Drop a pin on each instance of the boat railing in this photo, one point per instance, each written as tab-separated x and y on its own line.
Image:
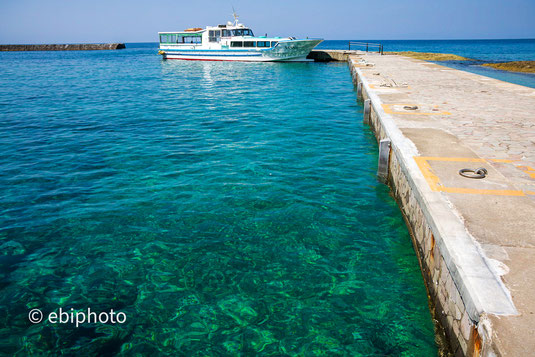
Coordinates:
368	45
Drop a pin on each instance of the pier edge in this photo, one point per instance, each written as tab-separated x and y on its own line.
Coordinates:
460	295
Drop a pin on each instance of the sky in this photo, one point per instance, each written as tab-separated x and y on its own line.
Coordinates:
83	21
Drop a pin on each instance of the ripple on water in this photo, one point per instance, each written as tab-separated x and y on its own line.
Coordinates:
226	208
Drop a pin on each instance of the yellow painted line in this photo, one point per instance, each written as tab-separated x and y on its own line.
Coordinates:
483	191
457	159
430	177
529	192
464	159
434	182
526	168
502	160
388	109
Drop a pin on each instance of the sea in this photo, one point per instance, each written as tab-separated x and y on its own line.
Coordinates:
198	209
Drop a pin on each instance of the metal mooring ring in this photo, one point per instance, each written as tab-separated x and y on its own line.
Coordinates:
474	174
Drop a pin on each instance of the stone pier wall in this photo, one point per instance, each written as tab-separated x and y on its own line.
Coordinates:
463	335
330	55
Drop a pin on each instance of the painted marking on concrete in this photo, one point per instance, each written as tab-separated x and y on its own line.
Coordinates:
463	159
425	168
502	160
527	170
483	191
388	109
434	182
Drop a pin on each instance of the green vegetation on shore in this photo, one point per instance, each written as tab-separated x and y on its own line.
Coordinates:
426	56
516	66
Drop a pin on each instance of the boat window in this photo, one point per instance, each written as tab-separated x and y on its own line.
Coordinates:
192	39
173	38
248	44
242	32
236	44
227	33
274	43
214	35
262	44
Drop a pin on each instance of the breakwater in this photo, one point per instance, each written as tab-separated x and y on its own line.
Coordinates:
473	237
64	47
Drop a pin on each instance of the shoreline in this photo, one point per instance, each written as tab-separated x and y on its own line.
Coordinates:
509	66
513	66
430	56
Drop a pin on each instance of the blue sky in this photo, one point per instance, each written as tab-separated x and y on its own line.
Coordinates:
73	21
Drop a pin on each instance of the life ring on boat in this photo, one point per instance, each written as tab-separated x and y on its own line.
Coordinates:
160	52
193	29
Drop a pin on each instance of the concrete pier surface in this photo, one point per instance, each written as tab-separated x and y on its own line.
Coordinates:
474	237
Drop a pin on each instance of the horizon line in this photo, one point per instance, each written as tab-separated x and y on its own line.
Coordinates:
443	39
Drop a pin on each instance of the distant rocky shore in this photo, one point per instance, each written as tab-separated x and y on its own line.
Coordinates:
428	56
65	47
515	66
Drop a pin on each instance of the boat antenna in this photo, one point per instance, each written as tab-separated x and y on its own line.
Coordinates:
235	16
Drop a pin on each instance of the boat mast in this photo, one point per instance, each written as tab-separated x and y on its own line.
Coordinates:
235	17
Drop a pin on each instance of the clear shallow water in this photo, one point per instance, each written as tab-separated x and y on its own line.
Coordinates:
481	50
225	208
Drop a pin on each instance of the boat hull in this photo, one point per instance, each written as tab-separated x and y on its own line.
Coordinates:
288	50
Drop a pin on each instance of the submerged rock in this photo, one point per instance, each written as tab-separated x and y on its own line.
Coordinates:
515	66
12	248
427	56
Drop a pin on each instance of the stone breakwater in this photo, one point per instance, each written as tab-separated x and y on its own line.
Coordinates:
64	47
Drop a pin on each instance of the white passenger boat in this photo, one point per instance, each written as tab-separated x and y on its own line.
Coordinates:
232	42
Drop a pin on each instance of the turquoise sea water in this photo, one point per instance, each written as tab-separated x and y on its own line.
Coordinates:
225	208
480	51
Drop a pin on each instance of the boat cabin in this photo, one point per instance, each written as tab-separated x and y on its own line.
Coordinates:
222	36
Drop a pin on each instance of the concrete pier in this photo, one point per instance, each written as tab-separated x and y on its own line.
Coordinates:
330	55
64	47
474	237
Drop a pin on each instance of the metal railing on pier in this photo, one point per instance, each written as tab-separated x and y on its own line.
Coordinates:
368	45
